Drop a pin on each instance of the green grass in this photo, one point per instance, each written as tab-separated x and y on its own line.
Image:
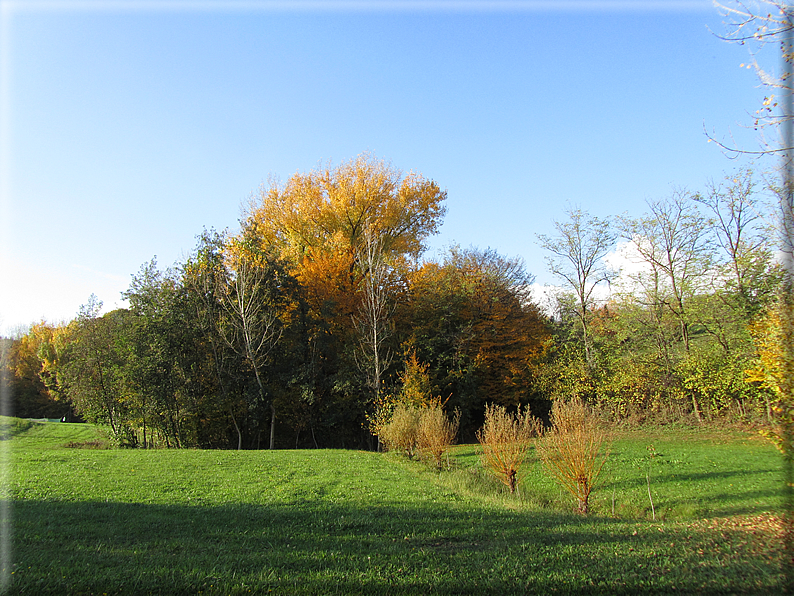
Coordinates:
694	474
112	521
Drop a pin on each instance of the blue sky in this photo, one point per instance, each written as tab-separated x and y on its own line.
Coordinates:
128	127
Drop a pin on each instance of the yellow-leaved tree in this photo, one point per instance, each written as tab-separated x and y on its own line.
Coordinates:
344	204
348	235
771	369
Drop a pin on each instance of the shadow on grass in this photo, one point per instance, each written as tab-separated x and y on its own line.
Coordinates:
66	547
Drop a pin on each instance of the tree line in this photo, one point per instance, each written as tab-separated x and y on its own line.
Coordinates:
308	325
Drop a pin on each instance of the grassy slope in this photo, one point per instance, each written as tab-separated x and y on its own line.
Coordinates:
694	474
324	522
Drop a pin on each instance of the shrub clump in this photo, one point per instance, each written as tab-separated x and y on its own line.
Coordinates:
571	450
436	432
424	431
401	431
412	422
505	440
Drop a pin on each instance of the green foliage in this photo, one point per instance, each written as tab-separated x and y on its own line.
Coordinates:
288	328
718	380
92	373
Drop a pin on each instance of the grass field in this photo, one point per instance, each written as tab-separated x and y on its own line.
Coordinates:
109	521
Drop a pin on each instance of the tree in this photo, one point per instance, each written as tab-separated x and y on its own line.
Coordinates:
472	319
343	203
571	450
505	439
748	276
167	368
252	304
30	367
91	369
672	240
776	24
204	276
578	251
373	319
338	230
755	26
771	370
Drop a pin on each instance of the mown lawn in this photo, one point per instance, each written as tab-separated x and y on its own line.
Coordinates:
103	521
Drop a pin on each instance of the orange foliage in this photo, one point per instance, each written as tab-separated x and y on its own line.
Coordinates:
490	321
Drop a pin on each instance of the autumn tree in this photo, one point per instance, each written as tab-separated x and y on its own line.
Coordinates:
29	365
344	202
770	370
472	318
322	222
347	234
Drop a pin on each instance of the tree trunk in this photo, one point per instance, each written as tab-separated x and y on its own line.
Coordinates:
696	408
511	481
237	428
311	426
272	426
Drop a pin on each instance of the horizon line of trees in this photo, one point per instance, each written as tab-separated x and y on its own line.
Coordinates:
298	330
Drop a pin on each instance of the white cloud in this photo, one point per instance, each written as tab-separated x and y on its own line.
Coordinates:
28	295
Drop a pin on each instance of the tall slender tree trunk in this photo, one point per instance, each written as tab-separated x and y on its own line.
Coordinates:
237	428
272	426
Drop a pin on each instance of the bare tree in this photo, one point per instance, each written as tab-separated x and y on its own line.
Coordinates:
743	233
577	252
754	25
251	325
673	240
373	319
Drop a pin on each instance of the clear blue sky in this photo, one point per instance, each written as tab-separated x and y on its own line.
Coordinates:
127	128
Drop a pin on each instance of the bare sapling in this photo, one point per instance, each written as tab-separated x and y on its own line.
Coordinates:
573	450
651	456
436	432
505	440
